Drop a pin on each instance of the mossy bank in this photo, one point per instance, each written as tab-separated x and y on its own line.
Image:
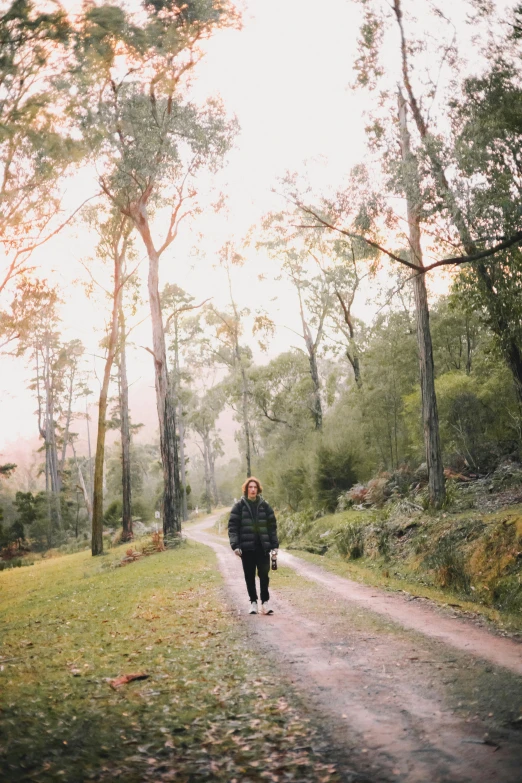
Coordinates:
470	556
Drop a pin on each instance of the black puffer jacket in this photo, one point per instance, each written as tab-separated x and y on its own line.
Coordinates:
244	526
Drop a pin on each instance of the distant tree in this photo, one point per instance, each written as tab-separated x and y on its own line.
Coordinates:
203	413
301	255
182	324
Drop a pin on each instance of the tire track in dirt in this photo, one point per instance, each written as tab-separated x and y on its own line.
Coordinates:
457	633
390	724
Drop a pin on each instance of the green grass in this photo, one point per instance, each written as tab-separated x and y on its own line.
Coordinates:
212	709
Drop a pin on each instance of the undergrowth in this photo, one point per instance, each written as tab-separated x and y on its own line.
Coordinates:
472	555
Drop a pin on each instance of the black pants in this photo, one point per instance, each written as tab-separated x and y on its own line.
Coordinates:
260	560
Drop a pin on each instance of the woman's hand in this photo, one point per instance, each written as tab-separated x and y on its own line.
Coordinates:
238	552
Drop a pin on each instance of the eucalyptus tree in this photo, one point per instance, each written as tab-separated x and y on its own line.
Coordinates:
467	144
202	416
341	266
36	149
125	429
56	383
226	346
115	232
183	325
150	143
301	254
429	173
280	391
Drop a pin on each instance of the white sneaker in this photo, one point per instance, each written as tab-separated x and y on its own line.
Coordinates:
266	608
253	607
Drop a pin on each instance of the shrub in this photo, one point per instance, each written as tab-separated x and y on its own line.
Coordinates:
350	541
335	473
113	513
377	490
292	527
448	565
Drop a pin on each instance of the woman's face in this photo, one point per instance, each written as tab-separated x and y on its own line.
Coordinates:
252	490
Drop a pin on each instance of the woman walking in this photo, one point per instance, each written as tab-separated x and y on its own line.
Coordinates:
252	531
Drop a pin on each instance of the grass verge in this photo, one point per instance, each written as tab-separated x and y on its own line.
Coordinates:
209	710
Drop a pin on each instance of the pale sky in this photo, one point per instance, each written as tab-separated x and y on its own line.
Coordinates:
285	76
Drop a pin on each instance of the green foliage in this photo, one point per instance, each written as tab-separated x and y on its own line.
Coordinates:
335	473
27	505
36	151
390	372
349	540
113	513
478	418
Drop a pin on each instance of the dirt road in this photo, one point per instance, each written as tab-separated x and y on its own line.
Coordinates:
403	693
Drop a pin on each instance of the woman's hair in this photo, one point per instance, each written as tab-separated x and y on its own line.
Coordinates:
244	488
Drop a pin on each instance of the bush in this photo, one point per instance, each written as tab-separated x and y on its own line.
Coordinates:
113	513
448	564
350	541
293	527
335	473
377	490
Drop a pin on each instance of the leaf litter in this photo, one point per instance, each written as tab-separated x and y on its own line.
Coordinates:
214	709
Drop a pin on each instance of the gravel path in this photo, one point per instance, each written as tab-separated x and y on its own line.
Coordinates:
403	693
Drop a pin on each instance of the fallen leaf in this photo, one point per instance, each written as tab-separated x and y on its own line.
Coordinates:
125	678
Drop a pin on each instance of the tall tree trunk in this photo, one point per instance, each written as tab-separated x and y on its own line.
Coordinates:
127	532
181	425
317	408
246	423
166	405
212	471
430	418
311	347
50	435
89	450
67	422
208	491
244	379
85	493
97	505
182	460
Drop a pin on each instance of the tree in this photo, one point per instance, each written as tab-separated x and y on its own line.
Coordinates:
154	144
177	305
125	429
297	251
36	151
430	416
280	393
225	348
457	332
345	279
115	234
56	385
204	411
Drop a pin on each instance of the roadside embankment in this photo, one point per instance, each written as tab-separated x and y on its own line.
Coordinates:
471	560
